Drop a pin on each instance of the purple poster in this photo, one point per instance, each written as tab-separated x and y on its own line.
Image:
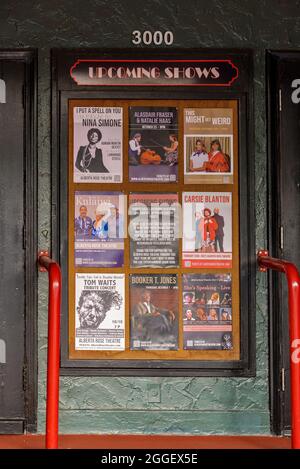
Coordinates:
99	229
207	312
153	144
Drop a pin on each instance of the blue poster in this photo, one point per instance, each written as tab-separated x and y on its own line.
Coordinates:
99	229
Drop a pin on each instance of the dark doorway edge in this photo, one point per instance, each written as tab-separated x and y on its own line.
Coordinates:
30	378
273	59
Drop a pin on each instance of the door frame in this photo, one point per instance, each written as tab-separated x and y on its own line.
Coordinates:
30	378
273	58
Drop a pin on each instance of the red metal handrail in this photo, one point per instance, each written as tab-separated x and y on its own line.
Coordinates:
293	280
54	305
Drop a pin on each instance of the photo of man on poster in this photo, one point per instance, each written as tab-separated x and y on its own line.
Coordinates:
83	223
149	321
220	230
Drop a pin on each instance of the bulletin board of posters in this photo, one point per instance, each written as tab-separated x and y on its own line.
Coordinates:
150	236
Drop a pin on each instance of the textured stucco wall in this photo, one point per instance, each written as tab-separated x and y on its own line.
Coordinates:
187	405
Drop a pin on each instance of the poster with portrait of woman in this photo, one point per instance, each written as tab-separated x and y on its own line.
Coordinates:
207	311
99	229
208	146
207	229
100	312
97	144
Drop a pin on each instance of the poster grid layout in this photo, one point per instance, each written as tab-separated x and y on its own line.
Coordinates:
208	245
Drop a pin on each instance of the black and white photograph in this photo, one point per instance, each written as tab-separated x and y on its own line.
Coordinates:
100	312
98	152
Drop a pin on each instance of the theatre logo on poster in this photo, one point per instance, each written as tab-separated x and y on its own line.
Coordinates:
97	142
100	312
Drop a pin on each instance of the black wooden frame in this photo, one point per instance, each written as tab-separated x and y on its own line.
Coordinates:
30	378
273	238
246	365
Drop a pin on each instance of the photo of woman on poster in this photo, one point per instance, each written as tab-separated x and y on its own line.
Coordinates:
199	157
100	224
134	149
189	315
212	315
89	157
171	152
226	314
201	314
188	298
209	231
217	160
226	300
214	299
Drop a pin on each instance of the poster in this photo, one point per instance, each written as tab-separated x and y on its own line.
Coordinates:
153	144
99	229
154	230
100	312
154	312
207	229
207	312
98	137
208	146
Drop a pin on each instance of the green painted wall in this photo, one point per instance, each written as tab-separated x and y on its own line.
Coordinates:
187	405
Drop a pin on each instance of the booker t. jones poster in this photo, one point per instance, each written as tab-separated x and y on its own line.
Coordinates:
153	312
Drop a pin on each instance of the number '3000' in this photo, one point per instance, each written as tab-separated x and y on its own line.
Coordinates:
157	38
